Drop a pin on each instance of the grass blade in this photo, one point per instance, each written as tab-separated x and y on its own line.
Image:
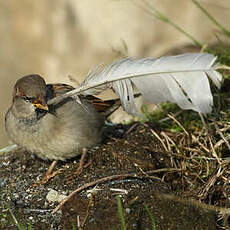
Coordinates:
19	225
159	15
151	217
224	30
121	213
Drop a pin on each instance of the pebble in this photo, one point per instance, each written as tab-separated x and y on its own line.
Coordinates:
54	196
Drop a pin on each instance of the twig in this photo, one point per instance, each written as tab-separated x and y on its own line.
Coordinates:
164	170
158	137
199	143
168	118
221	134
109	178
220	142
167	139
131	129
99	181
211	182
197	151
90	204
174	119
214	151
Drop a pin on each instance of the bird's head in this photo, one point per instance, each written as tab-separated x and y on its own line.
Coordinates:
29	96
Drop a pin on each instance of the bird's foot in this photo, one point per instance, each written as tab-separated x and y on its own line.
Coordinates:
81	166
48	174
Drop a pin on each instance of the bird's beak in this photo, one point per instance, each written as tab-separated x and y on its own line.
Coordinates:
40	104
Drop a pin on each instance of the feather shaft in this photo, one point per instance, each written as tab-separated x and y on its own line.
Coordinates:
182	79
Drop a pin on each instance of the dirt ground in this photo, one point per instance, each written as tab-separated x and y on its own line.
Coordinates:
146	171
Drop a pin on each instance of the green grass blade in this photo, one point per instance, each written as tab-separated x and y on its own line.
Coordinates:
74	227
225	31
157	14
151	217
30	226
121	213
19	225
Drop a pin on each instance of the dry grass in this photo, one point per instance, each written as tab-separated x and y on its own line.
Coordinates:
202	154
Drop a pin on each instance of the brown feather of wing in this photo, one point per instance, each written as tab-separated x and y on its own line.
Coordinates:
54	90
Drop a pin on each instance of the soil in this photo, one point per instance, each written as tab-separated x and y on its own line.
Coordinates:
154	182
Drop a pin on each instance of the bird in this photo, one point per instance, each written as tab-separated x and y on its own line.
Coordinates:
57	121
59	131
55	132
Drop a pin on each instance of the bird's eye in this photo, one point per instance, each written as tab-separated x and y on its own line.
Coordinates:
30	99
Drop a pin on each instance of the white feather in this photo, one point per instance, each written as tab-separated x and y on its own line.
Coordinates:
181	79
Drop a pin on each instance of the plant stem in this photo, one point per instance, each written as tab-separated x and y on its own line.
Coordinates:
225	31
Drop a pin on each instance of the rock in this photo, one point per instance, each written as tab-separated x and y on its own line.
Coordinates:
54	196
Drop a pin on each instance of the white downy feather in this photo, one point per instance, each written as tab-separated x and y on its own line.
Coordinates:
181	79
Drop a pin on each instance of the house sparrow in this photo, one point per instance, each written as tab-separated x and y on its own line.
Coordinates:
56	132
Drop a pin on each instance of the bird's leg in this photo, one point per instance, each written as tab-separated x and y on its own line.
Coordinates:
82	160
50	169
49	173
80	167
